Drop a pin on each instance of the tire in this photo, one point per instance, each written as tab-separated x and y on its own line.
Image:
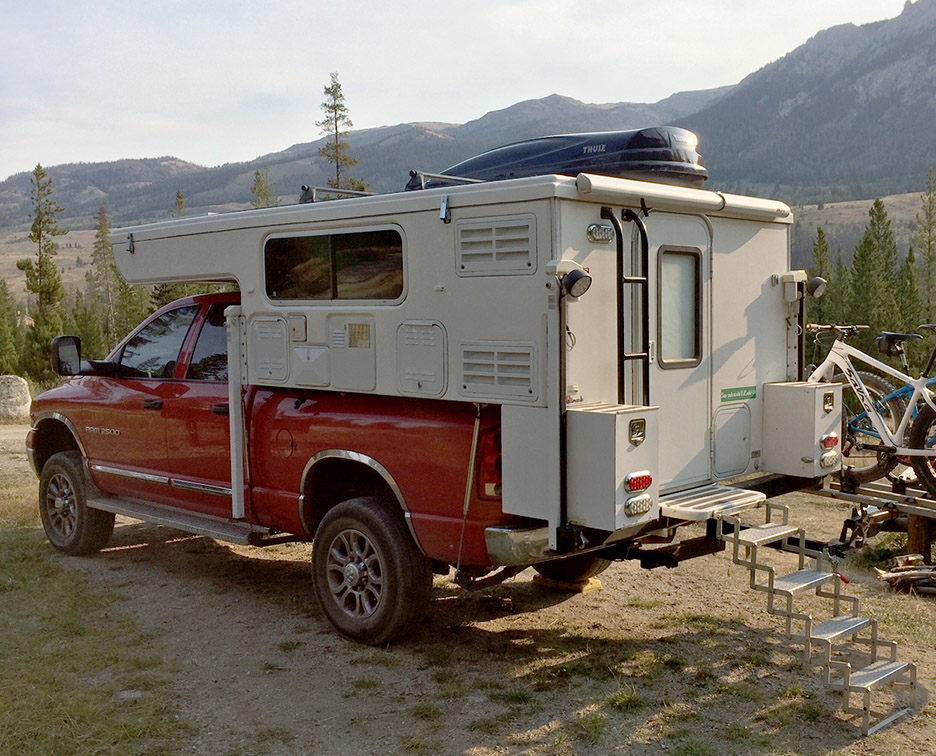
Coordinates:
923	436
864	465
371	580
573	569
69	523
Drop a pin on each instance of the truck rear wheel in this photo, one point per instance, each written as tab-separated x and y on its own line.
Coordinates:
573	569
371	580
69	523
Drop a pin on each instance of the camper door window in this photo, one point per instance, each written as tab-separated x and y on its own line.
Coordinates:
359	265
680	321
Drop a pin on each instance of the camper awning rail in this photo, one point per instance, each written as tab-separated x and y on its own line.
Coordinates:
607	189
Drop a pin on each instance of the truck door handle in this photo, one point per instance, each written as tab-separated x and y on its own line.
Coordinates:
153	404
221	409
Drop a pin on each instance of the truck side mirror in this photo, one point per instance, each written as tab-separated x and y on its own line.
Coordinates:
66	355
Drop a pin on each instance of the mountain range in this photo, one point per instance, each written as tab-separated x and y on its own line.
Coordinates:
847	115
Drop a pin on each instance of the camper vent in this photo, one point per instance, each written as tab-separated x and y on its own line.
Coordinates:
497	246
499	370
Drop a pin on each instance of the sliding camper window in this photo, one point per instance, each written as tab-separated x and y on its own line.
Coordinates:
680	307
358	265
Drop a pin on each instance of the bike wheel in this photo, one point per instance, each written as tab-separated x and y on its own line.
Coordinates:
859	464
923	436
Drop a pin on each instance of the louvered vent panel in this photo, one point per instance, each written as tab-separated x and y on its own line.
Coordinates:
497	246
499	370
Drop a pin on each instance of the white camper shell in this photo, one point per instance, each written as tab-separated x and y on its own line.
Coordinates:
684	366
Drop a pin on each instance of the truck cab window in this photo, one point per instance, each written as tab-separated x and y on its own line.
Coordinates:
209	361
365	265
154	350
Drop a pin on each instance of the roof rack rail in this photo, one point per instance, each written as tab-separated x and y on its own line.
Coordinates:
310	193
418	178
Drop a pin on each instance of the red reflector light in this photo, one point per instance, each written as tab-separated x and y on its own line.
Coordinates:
829	441
639	481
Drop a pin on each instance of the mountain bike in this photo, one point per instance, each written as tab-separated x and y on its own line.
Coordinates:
881	427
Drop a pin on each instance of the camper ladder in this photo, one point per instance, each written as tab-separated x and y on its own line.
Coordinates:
832	642
643	281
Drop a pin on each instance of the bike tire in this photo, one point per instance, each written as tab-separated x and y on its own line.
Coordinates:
923	436
864	465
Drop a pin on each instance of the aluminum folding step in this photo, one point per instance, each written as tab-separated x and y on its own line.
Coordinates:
801	580
707	502
863	681
219	528
763	534
828	632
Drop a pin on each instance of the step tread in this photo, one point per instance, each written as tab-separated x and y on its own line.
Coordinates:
761	534
801	580
877	673
192	522
832	629
698	504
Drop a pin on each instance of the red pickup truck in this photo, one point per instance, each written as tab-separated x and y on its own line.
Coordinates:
391	489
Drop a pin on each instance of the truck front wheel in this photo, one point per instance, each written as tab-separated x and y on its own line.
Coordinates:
69	523
371	580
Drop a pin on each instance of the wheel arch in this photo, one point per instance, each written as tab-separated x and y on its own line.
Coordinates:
52	433
332	476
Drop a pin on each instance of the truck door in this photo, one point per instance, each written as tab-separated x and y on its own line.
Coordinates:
681	369
197	424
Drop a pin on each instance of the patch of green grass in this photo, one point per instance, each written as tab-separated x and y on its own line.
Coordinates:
74	681
512	696
288	646
625	698
428	712
591	725
378	659
641	602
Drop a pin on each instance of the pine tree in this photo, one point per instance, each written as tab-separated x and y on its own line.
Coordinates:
837	293
43	281
924	241
87	323
873	294
909	298
263	193
9	332
101	280
333	126
817	309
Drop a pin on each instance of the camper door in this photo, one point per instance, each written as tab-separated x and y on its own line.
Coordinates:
680	327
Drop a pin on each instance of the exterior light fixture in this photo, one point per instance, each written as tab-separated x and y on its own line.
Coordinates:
576	282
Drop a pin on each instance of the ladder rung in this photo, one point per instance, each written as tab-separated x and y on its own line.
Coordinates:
634	279
635	356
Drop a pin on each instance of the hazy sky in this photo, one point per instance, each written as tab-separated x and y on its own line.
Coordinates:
215	82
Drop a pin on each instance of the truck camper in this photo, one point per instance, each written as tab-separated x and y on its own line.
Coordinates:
555	355
525	369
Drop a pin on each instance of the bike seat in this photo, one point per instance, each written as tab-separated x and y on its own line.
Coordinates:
889	342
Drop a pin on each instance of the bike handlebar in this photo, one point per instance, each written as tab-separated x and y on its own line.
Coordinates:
841	332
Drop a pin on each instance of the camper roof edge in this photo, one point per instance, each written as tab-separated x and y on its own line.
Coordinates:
682	199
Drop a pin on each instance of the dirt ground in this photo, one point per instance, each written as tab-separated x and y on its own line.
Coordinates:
684	661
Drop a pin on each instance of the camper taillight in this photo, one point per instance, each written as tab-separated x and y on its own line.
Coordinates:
490	481
639	481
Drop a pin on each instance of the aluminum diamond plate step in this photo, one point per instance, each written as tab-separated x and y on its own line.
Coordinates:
771	533
877	673
699	504
801	580
834	629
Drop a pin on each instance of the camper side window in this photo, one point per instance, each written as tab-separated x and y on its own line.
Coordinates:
680	321
346	266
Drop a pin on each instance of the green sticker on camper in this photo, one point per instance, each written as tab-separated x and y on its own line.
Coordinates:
737	394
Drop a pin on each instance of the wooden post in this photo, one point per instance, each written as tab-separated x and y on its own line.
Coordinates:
919	536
